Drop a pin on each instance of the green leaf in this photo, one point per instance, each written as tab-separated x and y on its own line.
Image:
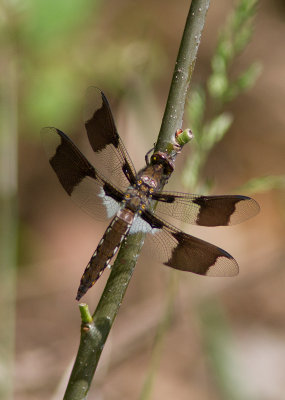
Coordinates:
215	130
196	110
248	78
224	54
244	82
218	85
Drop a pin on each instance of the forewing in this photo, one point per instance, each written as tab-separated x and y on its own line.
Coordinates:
205	210
87	188
111	157
184	252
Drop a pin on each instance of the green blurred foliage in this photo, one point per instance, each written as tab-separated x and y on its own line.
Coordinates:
49	21
264	184
62	47
219	347
221	88
233	38
40	36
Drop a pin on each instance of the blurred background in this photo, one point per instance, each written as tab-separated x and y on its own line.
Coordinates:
226	338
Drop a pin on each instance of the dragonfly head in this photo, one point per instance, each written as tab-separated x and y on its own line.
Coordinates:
160	158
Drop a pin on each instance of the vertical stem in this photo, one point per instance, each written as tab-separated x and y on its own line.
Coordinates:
8	218
184	67
172	120
94	335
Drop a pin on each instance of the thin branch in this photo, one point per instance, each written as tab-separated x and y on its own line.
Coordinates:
184	67
94	334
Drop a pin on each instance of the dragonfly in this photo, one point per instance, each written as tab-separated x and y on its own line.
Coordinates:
112	189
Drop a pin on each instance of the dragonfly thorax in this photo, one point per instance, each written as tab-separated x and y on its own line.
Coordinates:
137	198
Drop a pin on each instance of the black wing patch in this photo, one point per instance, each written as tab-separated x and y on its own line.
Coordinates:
205	210
184	252
110	152
80	180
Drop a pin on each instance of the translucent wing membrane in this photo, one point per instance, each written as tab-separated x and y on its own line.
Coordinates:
184	252
111	156
87	188
205	210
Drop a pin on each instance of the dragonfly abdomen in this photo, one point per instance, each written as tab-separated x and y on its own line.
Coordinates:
106	249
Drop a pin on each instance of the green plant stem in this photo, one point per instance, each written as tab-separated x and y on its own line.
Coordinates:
178	91
184	67
86	317
94	335
8	218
